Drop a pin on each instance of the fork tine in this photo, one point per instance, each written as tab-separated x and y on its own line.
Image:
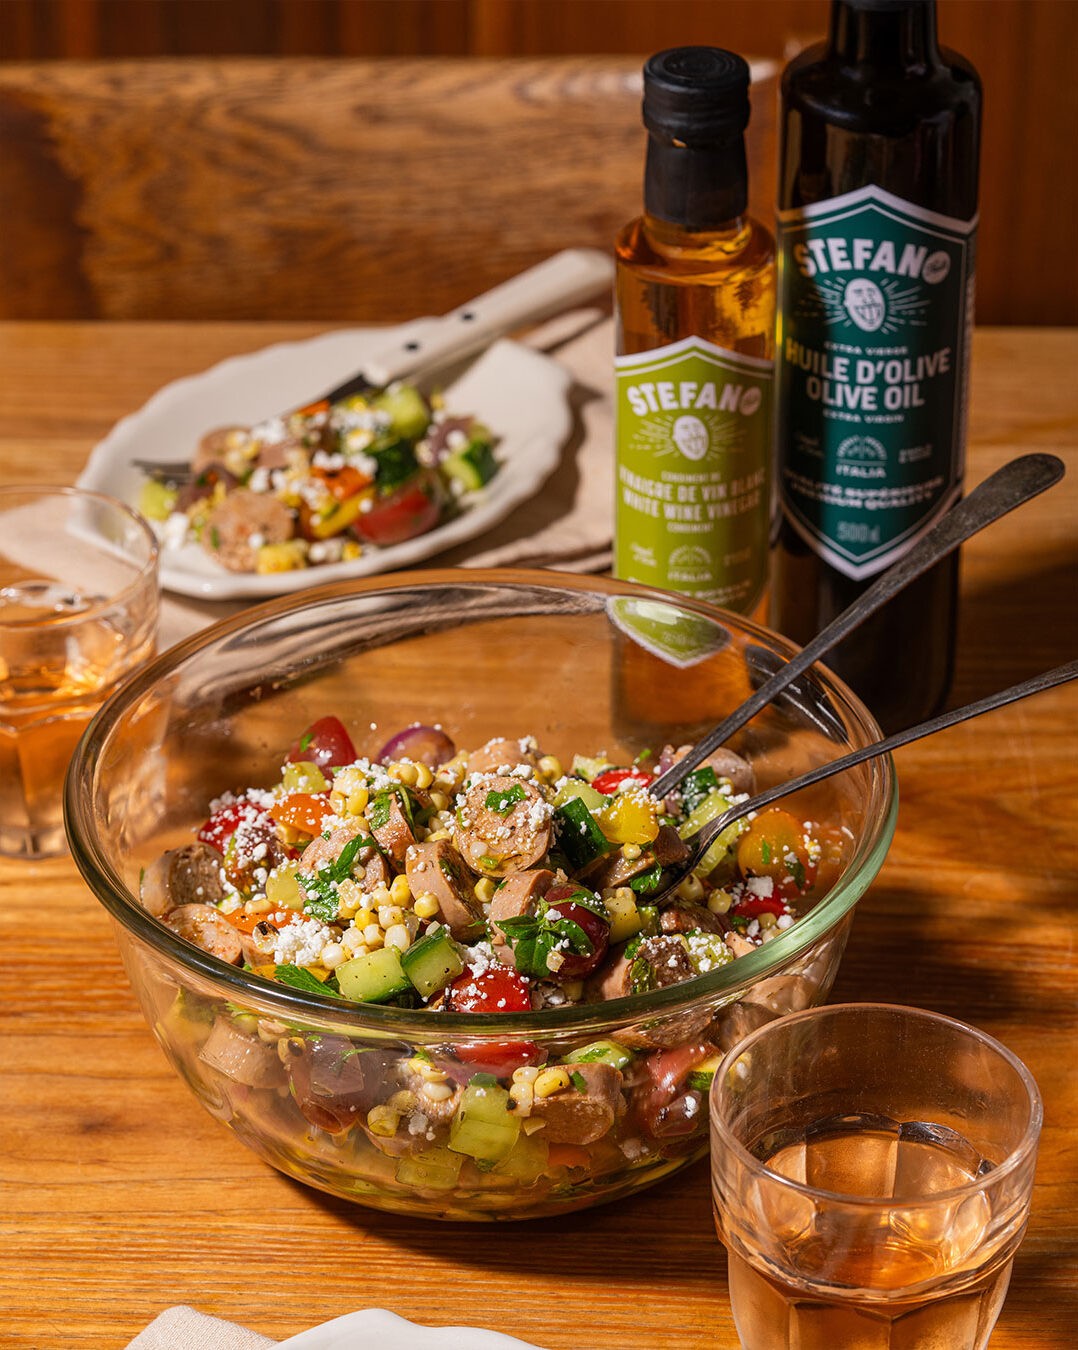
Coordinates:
165	471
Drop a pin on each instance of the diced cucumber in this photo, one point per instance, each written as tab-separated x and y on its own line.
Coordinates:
697	786
157	500
601	1052
432	962
527	1161
587	768
303	776
407	410
435	1169
625	920
395	463
701	1076
573	788
472	465
375	977
484	1128
579	835
649	919
714	804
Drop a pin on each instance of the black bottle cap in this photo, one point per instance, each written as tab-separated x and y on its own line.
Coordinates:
696	95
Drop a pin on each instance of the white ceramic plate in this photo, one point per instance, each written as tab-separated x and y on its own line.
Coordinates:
519	393
376	1329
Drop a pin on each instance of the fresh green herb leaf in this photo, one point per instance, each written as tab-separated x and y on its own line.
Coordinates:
306	739
503	802
647	881
298	978
380	807
579	1082
797	871
765	852
482	1080
699	784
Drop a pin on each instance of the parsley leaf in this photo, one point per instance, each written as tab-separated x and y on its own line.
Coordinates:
298	978
503	802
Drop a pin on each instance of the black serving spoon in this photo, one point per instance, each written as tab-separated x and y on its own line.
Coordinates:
1015	483
708	833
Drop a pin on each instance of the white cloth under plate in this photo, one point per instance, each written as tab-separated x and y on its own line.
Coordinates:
184	1328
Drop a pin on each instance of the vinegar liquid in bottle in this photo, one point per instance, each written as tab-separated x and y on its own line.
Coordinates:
694	318
695	304
880	140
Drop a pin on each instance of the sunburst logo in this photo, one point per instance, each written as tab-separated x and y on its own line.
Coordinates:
699	437
885	308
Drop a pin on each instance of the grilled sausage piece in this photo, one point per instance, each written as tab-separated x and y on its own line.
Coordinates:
504	826
581	1116
208	929
683	916
666	955
436	868
725	763
237	527
369	868
518	895
394	833
245	1059
183	876
614	869
500	754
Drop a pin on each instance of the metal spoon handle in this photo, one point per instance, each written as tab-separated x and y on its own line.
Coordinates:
1049	680
1010	486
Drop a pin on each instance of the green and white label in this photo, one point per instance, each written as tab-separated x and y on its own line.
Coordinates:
693	452
876	299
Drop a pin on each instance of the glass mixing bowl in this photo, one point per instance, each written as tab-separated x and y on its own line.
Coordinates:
585	665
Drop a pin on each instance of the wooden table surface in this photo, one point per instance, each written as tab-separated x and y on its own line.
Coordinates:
122	1197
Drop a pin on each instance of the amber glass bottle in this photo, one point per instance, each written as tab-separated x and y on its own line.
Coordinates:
695	304
879	152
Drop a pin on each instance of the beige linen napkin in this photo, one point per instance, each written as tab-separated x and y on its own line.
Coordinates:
183	1328
569	522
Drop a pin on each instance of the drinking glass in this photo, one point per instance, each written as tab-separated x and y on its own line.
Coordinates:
871	1171
78	611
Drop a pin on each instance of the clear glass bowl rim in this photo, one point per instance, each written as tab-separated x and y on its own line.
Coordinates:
718	987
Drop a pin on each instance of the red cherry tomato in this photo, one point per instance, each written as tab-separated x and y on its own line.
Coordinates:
414	508
610	780
226	820
596	929
666	1109
752	906
494	990
244	832
325	743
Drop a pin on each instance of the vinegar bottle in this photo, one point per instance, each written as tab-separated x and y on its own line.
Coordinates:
695	298
880	138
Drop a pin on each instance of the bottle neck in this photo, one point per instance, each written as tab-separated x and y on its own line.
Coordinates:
900	35
699	188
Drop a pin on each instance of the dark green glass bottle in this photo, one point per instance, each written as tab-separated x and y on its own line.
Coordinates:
880	141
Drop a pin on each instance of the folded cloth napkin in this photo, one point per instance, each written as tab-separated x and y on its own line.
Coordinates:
184	1328
568	524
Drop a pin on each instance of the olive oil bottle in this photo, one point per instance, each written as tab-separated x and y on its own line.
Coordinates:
880	139
695	299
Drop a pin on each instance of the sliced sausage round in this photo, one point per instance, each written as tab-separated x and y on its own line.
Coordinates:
208	929
436	868
581	1116
369	867
518	895
183	876
501	754
393	831
503	826
239	525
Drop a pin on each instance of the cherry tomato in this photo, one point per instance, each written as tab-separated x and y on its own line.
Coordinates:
344	482
302	811
610	780
226	820
244	832
666	1109
414	508
774	846
494	990
325	743
246	923
752	906
575	965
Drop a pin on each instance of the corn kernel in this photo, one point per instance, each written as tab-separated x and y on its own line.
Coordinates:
719	902
424	776
424	1069
389	915
380	895
261	906
426	906
527	1073
289	556
630	852
484	890
364	916
400	890
550	768
439	801
403	1101
397	935
692	888
404	771
333	954
522	1095
438	834
767	920
383	1121
550	1081
373	936
437	1092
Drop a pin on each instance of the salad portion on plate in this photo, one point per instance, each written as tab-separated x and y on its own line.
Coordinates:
324	484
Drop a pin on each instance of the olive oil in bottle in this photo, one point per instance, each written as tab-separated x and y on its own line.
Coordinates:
880	138
695	298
